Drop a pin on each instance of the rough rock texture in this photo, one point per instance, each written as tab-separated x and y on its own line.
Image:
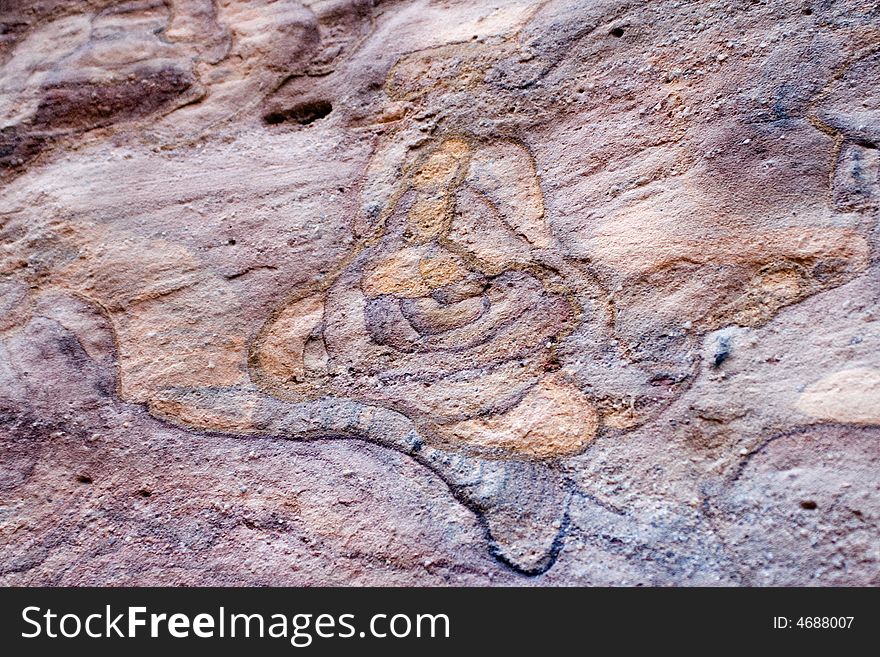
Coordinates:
426	292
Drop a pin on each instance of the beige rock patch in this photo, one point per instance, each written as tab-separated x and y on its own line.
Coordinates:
441	167
847	396
236	419
412	272
427	217
285	340
505	174
554	419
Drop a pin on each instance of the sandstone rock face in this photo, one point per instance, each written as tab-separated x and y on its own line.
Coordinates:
429	292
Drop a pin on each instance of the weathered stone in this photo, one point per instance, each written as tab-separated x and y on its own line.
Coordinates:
302	292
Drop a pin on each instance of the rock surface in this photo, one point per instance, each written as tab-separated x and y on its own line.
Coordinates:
439	292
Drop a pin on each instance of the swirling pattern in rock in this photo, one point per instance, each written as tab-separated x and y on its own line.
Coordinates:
350	291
